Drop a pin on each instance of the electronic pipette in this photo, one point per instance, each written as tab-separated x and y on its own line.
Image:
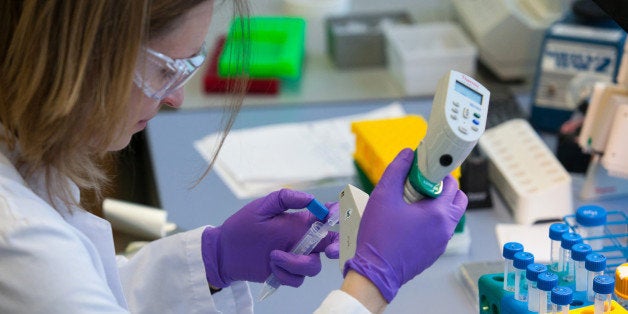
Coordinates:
312	237
457	121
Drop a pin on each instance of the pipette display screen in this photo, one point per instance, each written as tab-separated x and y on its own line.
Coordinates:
468	92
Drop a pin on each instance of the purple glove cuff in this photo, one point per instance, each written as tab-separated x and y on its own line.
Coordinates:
210	243
378	271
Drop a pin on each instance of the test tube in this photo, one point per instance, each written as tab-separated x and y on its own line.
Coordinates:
508	253
595	264
546	282
556	231
561	299
621	285
521	262
579	252
532	274
603	287
590	220
568	240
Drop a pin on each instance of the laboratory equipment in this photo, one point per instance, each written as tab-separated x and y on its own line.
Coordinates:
532	275
418	53
457	120
509	33
575	46
595	264
520	262
508	253
527	174
603	286
556	231
602	135
621	285
308	242
579	253
561	299
545	283
567	242
591	220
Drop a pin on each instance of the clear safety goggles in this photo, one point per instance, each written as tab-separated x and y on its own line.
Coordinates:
159	75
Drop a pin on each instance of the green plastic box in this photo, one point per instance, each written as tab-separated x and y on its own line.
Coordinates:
276	47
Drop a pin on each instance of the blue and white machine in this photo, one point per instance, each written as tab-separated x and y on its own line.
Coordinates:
574	55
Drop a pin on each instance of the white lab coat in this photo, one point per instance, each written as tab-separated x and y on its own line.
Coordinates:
64	262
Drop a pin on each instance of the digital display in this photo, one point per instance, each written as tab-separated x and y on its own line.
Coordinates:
468	92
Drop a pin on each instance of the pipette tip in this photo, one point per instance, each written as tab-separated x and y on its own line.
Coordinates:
267	290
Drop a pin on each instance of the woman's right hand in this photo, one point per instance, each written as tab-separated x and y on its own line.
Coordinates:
396	240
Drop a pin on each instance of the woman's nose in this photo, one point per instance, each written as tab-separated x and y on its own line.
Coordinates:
174	99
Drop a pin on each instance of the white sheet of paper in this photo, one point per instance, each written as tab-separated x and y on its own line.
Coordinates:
534	238
255	161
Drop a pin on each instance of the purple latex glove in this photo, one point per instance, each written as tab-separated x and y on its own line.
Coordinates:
250	243
396	240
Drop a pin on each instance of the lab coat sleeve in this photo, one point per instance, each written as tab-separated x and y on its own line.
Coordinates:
168	276
339	302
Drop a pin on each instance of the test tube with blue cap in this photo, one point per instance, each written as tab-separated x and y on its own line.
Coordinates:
590	220
595	264
568	240
561	299
521	262
318	230
556	231
532	275
546	282
508	253
579	253
603	286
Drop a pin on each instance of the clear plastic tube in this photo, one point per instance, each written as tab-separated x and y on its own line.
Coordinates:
560	309
314	235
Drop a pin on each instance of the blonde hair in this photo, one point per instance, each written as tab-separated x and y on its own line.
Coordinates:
65	79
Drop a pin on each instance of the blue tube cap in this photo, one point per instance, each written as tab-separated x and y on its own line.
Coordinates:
556	230
317	209
579	251
533	270
547	281
595	262
569	239
591	216
562	295
603	284
522	260
510	249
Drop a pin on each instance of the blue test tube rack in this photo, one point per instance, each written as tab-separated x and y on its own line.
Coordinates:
494	299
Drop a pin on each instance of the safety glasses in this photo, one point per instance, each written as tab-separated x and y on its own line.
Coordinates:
158	75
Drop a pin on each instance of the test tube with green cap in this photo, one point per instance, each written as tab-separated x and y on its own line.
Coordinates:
508	253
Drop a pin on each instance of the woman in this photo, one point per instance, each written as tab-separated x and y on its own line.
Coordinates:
79	78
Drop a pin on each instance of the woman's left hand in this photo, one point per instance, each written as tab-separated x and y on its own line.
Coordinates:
254	242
